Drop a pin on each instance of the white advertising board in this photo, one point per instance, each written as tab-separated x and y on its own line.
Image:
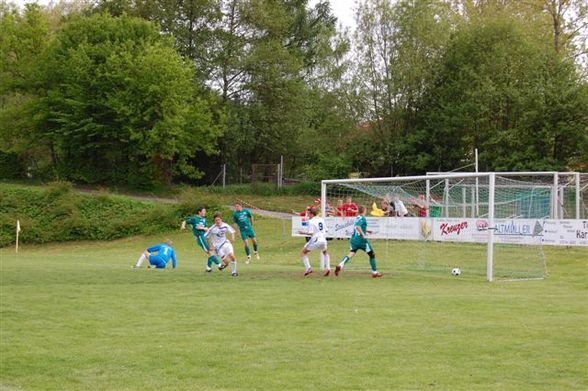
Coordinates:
509	231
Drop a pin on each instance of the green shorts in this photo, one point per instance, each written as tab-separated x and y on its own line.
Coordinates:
364	245
247	233
203	243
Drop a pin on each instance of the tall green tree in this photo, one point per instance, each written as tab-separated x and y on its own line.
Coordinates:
120	105
560	25
498	91
23	40
398	47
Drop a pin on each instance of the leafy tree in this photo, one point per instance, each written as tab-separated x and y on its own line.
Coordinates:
23	40
560	25
120	105
398	47
500	92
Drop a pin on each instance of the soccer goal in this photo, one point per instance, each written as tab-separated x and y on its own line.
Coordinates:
485	224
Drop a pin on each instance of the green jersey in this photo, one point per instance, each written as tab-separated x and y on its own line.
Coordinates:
197	222
361	222
243	219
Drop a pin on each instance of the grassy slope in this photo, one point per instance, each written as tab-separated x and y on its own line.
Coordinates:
75	316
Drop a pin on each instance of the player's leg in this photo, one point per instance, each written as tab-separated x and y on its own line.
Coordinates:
327	258
373	264
346	259
144	256
246	244
222	253
155	262
221	258
203	244
254	242
224	262
227	254
233	262
212	257
304	256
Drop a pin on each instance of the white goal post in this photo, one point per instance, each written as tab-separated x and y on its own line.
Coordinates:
490	177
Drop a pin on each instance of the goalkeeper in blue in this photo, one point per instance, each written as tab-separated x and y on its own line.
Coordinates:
244	220
199	229
158	256
359	242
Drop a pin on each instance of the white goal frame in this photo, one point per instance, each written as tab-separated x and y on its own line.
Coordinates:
491	177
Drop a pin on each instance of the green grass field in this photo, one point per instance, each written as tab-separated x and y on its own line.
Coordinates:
77	317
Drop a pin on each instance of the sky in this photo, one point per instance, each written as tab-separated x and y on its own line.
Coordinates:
343	10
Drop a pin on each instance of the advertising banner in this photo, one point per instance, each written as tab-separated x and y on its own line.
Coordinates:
471	230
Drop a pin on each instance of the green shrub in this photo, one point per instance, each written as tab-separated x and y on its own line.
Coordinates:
58	213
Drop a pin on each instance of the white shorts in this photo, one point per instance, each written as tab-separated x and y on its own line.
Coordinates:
225	249
316	244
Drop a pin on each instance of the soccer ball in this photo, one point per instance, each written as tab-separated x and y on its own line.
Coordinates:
456	271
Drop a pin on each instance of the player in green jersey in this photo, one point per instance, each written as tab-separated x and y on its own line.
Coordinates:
359	242
199	228
244	220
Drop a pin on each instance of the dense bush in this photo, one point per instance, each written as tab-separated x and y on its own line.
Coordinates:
57	213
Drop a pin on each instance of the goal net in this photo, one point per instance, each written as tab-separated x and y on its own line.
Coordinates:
487	225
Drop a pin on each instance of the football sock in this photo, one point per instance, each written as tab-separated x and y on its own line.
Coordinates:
234	267
209	261
247	250
344	261
306	261
216	259
255	247
373	264
140	260
327	261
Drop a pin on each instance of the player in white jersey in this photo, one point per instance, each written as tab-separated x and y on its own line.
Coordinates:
217	234
317	230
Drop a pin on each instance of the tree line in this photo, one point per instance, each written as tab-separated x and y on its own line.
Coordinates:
149	92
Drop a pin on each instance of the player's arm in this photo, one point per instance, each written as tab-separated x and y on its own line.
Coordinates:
173	257
231	231
207	237
305	232
153	249
251	220
360	231
188	221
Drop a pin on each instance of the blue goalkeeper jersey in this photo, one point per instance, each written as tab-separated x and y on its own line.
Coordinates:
164	253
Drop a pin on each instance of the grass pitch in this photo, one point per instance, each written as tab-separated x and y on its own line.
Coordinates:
76	317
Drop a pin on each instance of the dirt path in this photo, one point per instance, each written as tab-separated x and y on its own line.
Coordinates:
269	213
